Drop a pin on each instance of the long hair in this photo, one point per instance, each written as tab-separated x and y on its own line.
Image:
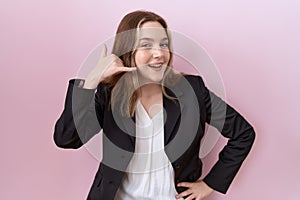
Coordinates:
124	86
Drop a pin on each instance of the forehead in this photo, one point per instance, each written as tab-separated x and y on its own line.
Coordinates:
153	30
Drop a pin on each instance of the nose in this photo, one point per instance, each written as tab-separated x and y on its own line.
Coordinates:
157	52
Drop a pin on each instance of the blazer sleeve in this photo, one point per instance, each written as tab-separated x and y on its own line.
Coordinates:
82	116
240	136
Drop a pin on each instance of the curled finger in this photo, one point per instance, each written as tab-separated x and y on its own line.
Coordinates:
184	193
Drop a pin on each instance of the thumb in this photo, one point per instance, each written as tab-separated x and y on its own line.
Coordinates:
104	51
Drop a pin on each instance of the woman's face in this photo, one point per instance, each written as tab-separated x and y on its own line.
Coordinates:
152	55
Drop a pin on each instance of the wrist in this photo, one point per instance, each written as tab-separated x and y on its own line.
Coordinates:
89	85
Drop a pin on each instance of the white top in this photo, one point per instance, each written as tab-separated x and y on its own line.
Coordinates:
150	174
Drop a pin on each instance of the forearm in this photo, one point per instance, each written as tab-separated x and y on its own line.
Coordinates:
230	160
78	121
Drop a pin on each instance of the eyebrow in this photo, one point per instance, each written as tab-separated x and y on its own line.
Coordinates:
151	39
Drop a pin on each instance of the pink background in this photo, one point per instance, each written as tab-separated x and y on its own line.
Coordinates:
255	45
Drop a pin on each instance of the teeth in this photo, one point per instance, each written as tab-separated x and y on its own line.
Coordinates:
155	65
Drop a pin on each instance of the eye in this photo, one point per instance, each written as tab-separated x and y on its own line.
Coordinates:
146	45
164	45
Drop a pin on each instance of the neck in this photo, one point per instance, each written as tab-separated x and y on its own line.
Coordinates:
150	90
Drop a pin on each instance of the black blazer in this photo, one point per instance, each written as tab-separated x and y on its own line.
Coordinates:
86	111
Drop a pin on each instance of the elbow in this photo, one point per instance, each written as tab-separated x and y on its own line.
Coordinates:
58	141
252	135
64	144
61	141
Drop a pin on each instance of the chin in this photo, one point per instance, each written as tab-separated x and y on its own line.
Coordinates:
146	77
149	80
157	80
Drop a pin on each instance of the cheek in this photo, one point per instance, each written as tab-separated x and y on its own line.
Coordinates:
141	57
166	55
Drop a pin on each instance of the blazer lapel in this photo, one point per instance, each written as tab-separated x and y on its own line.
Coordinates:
172	113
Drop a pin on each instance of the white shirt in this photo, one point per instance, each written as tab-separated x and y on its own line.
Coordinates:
150	174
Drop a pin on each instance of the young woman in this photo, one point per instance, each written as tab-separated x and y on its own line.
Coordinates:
153	120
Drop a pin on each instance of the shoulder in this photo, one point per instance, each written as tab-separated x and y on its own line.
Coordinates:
194	80
188	83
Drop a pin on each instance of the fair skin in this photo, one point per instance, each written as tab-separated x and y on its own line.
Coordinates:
151	57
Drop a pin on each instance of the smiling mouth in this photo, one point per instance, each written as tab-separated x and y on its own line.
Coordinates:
155	66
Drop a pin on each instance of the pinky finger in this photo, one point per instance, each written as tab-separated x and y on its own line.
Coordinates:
191	197
128	69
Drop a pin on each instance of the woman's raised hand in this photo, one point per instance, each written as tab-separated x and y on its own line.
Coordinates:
106	67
